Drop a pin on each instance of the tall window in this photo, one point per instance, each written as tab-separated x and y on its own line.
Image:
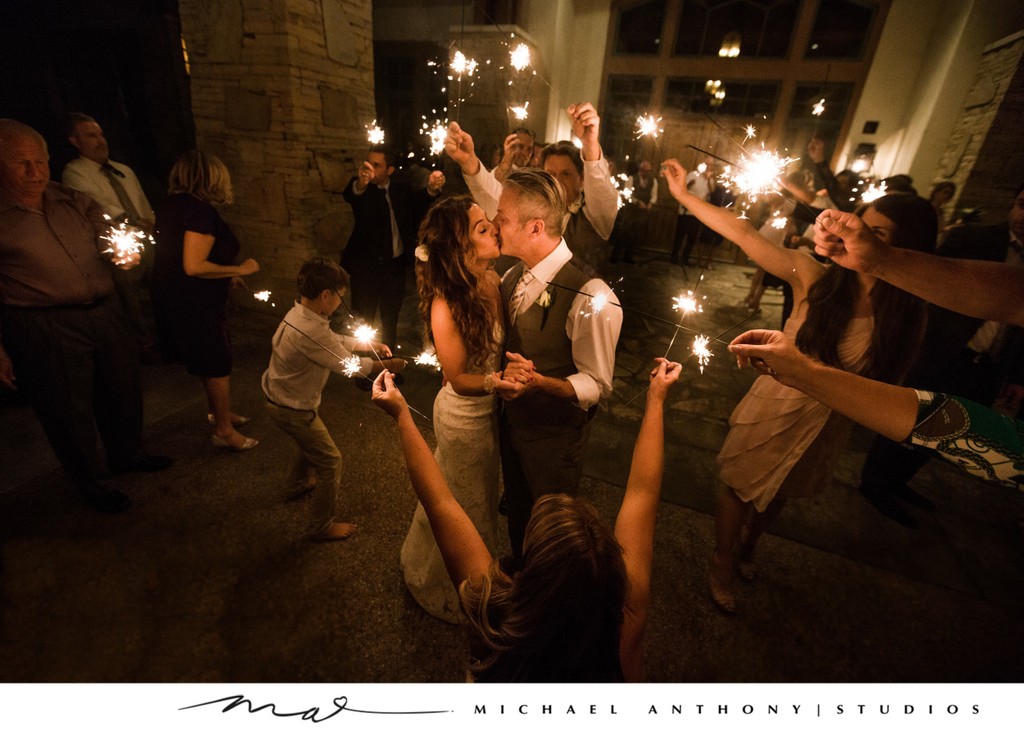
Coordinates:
841	29
746	28
628	97
639	28
742	98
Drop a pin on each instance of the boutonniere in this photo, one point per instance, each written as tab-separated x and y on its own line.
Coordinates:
544	300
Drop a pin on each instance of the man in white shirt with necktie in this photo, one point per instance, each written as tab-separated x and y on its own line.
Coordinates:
562	327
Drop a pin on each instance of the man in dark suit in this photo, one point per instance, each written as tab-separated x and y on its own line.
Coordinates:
979	360
387	214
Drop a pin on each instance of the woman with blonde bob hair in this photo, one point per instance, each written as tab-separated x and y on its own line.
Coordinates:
576	608
193	270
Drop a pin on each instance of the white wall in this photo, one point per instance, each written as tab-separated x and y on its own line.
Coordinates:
923	68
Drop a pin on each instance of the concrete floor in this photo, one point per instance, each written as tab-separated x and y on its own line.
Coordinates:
207	578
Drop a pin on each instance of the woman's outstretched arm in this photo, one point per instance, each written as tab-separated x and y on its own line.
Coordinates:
634	526
464	552
792	266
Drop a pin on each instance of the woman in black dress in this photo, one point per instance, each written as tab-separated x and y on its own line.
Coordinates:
193	270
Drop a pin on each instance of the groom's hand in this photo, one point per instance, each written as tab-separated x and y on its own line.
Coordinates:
519	368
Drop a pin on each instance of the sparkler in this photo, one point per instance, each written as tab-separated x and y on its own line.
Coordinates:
126	243
751	132
262	296
427	359
701	352
437	134
779	222
374	134
520	56
687	303
756	174
520	113
819	107
647	126
462	65
353	366
873	192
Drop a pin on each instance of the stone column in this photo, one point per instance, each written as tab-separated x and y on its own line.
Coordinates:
281	92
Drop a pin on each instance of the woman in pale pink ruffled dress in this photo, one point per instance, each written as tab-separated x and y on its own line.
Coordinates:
781	443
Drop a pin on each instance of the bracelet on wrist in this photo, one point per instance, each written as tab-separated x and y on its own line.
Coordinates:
489	383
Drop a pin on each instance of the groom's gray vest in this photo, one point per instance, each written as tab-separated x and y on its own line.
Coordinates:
541	337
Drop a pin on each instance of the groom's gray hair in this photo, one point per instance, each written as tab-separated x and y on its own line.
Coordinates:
539	196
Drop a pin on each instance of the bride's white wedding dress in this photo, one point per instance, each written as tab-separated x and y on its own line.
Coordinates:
466	428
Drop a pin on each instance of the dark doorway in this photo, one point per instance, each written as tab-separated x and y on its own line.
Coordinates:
119	61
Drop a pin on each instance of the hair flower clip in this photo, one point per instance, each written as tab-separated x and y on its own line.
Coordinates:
422	253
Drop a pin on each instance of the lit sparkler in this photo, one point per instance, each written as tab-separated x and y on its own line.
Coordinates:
751	132
779	222
374	134
428	359
437	134
462	65
687	303
819	107
352	366
701	351
520	112
126	243
262	296
755	175
873	192
520	57
365	333
647	126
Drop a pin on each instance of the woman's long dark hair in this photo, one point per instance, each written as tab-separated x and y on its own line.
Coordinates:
445	235
559	618
900	318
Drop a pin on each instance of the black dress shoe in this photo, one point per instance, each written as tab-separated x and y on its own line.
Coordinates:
886	503
109	501
143	463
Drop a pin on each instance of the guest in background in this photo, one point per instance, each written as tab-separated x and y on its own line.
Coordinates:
193	271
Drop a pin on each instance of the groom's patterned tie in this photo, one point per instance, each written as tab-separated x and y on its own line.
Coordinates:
517	296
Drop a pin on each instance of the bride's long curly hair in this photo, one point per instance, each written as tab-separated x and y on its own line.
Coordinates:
445	274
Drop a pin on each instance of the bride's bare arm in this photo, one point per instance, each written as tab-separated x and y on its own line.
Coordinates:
452	354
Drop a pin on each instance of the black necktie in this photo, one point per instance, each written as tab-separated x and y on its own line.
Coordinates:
112	175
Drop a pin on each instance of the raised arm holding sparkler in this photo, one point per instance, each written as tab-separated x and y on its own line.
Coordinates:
795	267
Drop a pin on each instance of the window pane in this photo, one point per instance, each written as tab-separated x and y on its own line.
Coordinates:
841	29
628	97
764	27
740	98
639	30
802	122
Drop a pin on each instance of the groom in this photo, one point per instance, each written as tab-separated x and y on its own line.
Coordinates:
560	347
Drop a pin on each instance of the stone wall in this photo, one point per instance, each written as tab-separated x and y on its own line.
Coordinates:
984	156
281	91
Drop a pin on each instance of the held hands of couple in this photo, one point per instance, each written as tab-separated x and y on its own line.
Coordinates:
518	377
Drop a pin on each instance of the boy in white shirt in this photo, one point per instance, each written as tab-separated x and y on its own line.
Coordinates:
305	352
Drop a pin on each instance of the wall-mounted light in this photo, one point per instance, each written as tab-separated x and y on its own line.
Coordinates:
863	158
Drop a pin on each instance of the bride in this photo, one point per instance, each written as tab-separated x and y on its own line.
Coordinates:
461	306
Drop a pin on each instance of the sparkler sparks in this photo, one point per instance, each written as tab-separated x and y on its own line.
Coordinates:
352	366
428	359
701	351
462	65
751	132
755	175
437	134
126	243
647	126
687	303
779	222
374	134
819	107
520	113
520	56
873	192
365	333
262	296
